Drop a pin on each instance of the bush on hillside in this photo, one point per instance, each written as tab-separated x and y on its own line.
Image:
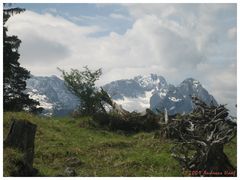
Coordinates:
133	122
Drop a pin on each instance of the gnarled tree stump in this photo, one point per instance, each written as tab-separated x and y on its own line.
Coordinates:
21	136
201	136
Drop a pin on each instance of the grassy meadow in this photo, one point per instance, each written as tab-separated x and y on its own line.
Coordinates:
69	142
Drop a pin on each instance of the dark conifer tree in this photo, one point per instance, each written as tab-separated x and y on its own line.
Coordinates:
14	76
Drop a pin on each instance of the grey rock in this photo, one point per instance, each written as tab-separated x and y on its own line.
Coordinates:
74	162
69	171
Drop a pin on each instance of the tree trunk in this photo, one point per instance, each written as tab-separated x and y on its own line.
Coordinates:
21	136
218	162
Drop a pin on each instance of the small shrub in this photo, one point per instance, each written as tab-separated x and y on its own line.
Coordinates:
129	124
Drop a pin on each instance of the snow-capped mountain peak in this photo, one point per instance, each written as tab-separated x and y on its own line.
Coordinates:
151	81
158	94
136	94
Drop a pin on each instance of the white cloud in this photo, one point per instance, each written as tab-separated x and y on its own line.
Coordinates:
119	16
176	41
47	40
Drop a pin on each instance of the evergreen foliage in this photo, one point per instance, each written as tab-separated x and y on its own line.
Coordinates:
14	76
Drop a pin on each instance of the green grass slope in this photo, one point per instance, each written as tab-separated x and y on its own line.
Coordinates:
67	142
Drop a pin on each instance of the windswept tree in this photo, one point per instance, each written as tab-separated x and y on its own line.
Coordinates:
14	76
82	84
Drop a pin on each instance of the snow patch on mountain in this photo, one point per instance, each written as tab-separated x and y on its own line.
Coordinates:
43	99
52	95
172	108
138	104
174	99
151	82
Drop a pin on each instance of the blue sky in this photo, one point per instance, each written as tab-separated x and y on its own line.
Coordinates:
106	16
176	41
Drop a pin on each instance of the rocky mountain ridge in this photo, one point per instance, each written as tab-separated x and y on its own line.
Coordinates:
134	94
154	92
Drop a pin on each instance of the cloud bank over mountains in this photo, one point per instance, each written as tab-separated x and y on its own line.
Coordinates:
176	41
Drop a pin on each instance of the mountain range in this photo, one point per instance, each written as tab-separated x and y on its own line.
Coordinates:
154	92
136	94
52	94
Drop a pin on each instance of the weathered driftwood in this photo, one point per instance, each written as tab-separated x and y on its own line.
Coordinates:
21	136
201	137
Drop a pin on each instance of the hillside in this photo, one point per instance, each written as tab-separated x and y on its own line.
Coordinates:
65	142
